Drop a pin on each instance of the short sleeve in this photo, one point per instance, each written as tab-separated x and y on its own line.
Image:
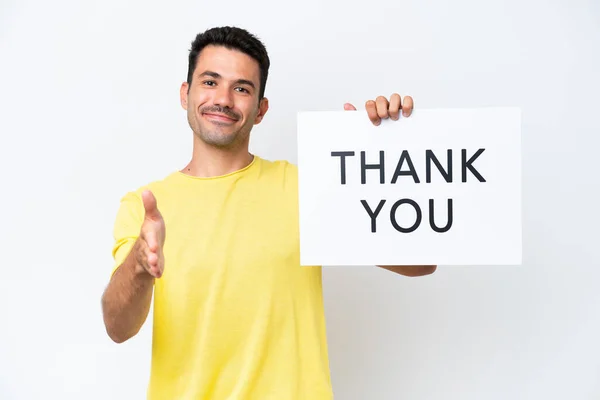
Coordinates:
126	230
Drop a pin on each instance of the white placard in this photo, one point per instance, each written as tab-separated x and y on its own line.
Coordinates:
390	194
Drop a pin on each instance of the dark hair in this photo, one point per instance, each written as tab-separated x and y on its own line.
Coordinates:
232	38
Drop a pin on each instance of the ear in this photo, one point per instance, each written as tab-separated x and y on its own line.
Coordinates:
183	95
263	107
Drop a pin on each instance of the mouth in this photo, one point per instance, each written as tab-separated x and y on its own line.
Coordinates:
221	118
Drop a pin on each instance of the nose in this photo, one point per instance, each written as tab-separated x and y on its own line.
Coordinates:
223	97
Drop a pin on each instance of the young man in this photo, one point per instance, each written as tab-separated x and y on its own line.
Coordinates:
235	315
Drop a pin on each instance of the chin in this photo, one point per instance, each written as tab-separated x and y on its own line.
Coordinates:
219	139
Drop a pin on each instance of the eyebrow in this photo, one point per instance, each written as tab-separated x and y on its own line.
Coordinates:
216	75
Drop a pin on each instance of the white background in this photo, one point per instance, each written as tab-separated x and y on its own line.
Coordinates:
90	109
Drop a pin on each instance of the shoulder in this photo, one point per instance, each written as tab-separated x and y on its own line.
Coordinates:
278	167
131	201
157	186
281	173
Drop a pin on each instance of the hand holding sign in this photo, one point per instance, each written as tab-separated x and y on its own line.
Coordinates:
377	110
381	108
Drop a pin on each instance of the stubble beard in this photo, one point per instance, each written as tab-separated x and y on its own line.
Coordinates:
213	135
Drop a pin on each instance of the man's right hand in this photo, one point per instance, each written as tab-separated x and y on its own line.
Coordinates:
149	247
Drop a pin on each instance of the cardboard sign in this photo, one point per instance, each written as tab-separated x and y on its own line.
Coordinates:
442	186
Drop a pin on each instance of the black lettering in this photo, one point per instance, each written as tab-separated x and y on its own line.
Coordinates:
342	155
467	164
364	167
405	156
372	214
393	215
432	217
430	156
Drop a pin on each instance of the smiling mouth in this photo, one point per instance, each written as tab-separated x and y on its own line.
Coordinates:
219	117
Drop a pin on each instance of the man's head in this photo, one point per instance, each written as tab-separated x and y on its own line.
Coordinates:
224	92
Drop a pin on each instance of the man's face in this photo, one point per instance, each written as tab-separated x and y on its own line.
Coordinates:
222	103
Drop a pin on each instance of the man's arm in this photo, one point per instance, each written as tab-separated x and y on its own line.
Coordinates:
127	298
410	270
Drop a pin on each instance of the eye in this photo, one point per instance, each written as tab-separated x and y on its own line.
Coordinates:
209	83
244	90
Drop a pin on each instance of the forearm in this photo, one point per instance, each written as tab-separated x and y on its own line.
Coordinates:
126	300
410	270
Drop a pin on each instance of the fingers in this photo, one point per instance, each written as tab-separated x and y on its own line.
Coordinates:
394	107
349	107
155	263
407	106
150	205
381	108
152	261
152	237
382	104
371	108
152	240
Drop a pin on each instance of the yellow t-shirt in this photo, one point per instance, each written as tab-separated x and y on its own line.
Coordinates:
235	315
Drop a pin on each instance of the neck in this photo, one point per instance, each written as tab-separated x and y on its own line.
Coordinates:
209	161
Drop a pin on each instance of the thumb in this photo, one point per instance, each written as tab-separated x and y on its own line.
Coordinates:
150	206
349	107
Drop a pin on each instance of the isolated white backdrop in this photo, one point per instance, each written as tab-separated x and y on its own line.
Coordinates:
90	109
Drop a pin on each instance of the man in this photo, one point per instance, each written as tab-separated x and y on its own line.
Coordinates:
235	315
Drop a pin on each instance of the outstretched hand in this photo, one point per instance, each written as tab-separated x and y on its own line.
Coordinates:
382	108
149	249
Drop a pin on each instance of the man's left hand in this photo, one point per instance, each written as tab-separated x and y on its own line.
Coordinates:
382	108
